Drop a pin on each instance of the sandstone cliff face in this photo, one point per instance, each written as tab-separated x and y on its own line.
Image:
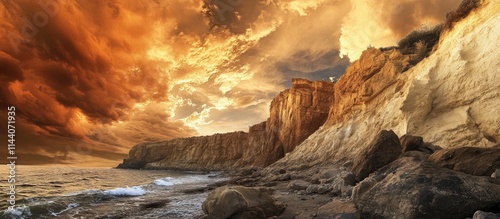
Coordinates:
451	98
214	152
294	115
299	112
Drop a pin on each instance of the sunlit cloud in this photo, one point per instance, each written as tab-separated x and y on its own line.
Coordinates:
101	76
383	23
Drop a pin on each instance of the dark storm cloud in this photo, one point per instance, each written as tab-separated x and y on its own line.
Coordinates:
72	67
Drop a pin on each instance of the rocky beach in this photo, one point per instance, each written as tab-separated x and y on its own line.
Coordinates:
407	132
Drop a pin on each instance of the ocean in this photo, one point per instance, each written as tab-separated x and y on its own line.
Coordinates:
72	192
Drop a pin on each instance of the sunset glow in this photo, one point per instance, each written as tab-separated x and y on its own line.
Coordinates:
98	77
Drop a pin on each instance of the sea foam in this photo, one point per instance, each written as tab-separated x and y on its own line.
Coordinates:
126	192
18	213
170	181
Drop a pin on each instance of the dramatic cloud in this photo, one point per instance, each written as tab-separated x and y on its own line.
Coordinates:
90	79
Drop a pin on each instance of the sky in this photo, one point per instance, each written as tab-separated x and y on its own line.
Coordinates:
90	79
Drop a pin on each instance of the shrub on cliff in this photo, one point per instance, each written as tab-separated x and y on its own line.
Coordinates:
425	36
462	11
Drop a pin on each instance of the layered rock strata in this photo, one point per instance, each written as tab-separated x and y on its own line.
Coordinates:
295	114
215	152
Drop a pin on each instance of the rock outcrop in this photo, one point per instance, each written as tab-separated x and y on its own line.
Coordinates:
470	160
294	115
214	152
450	98
414	188
298	112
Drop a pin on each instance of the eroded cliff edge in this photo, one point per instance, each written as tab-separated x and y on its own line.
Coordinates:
450	98
295	114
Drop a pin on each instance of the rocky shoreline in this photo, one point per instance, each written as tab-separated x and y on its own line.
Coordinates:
413	184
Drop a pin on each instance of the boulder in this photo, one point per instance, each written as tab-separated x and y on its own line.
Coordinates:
411	143
312	189
127	164
323	190
412	188
384	149
485	215
338	210
470	160
238	202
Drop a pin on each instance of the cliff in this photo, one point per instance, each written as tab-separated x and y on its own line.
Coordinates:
214	152
450	98
295	114
300	111
447	92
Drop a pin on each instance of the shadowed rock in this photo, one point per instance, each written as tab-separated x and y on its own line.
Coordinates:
414	188
470	160
384	149
411	143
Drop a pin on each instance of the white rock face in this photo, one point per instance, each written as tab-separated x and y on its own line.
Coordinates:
451	98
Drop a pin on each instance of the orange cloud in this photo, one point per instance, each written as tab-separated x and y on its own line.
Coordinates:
90	79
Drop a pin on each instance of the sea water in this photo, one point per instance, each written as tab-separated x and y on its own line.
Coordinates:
71	192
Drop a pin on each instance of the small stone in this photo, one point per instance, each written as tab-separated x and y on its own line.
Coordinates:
297	185
157	204
347	191
349	179
312	189
269	184
284	177
256	174
322	190
315	180
496	174
328	175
